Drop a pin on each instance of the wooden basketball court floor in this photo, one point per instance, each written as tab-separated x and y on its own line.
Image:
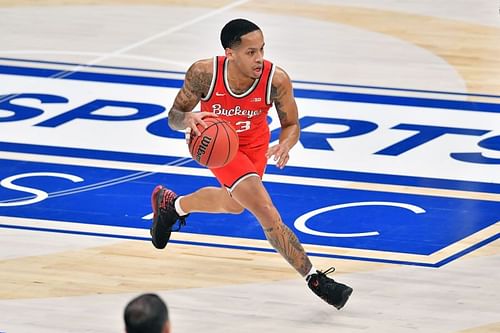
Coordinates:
414	194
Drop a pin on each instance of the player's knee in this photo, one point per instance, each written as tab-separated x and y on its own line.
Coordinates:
234	209
266	211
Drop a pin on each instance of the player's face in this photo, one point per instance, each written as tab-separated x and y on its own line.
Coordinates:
248	56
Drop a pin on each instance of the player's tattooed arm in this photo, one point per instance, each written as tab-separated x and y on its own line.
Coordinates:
286	107
277	97
196	85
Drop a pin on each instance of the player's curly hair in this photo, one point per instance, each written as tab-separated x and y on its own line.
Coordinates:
230	35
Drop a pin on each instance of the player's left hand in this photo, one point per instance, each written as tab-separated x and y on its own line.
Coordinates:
280	153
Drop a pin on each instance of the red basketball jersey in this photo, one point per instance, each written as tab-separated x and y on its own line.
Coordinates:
246	112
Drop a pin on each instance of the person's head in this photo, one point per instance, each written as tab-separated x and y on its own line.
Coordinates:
146	313
243	43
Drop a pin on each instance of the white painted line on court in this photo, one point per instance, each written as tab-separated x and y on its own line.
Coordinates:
184	65
144	41
178	169
61	226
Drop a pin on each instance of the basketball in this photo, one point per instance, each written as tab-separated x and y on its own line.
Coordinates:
216	146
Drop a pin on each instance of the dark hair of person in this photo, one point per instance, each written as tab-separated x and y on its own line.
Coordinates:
145	313
230	35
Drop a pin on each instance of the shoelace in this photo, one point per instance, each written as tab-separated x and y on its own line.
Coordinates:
182	222
328	271
168	196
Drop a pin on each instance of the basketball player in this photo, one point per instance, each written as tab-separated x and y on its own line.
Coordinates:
240	87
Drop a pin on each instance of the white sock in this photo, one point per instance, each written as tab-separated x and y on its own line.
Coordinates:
312	271
177	206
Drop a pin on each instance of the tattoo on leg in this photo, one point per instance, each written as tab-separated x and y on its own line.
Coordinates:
287	244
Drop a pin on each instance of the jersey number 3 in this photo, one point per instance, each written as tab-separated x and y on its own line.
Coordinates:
242	126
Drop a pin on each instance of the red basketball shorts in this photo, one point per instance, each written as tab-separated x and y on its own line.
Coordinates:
245	164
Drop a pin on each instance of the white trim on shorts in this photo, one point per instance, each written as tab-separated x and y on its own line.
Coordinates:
242	178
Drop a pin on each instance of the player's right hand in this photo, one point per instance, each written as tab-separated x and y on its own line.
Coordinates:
193	119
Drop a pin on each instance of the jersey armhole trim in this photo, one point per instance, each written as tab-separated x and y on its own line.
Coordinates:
269	85
212	83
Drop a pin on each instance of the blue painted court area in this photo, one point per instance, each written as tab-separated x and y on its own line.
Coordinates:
375	220
119	117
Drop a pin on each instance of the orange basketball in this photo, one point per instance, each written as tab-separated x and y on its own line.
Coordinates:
216	146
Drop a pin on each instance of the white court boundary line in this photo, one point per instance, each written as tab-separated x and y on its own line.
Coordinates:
298	180
38	225
321	86
102	184
158	35
93	54
144	41
63	74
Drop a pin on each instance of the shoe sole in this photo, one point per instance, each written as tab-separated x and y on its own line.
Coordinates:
345	297
154	199
154	205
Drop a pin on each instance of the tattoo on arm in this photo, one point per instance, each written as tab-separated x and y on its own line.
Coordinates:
196	85
176	118
288	245
276	96
200	84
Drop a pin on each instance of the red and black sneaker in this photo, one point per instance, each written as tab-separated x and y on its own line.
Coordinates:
329	290
164	216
